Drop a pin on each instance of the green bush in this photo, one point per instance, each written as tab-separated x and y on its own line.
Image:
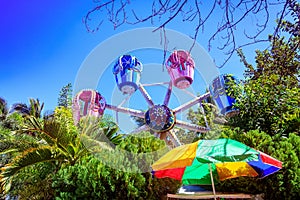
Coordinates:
117	174
149	149
34	182
91	179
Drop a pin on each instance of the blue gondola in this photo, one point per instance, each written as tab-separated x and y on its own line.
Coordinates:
127	71
218	90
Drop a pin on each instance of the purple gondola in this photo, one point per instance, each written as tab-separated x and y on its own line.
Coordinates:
180	67
127	71
218	90
88	103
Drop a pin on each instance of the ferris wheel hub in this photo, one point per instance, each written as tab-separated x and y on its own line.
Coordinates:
160	118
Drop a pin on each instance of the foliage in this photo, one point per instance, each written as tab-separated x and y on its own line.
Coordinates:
12	122
207	116
65	96
8	120
32	159
115	174
12	143
54	139
34	182
35	108
185	137
64	117
281	185
91	179
149	149
100	129
142	149
269	99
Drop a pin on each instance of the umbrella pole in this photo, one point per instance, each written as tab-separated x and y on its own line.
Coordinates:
212	181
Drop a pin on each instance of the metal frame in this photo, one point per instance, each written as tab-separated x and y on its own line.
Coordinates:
179	123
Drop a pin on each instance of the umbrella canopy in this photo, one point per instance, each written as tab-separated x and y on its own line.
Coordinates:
200	162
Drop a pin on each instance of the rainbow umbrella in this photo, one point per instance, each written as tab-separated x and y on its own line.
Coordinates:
204	161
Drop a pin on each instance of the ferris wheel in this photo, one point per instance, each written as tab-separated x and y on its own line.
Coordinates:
159	118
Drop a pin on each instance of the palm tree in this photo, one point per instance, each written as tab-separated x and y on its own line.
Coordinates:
20	108
34	108
57	139
52	143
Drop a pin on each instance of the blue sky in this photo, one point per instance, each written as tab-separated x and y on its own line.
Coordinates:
43	44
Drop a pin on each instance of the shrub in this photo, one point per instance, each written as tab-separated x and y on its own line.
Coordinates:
117	174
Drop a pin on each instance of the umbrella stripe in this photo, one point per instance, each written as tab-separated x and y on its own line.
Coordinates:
266	165
176	173
199	174
270	160
234	169
224	150
179	157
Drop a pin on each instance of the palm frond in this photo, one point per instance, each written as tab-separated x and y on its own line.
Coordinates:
112	134
58	133
21	108
14	143
6	151
28	158
51	131
34	125
36	108
107	132
94	145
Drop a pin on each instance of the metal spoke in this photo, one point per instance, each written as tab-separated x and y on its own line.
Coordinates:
154	84
189	93
191	103
125	100
168	94
191	127
146	95
136	113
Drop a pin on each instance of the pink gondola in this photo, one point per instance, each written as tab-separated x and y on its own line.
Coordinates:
180	67
88	103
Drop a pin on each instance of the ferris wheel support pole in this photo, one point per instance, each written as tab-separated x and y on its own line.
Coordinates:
168	95
191	103
191	127
146	95
129	111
